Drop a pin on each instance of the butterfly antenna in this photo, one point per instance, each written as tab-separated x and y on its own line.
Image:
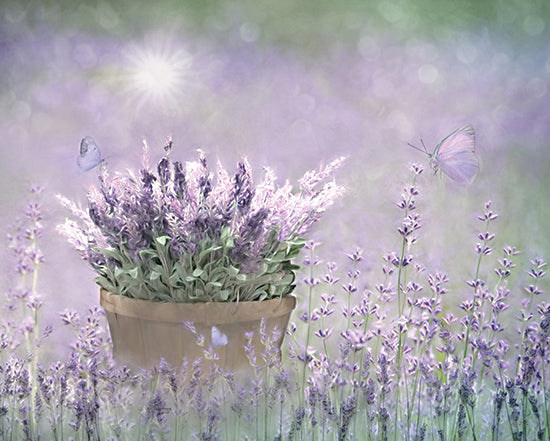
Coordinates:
424	147
418	148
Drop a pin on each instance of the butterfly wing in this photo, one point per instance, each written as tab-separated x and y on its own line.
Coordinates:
455	155
90	156
217	337
462	167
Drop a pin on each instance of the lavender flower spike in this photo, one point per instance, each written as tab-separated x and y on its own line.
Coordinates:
183	234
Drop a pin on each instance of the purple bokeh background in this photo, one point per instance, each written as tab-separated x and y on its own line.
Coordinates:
235	93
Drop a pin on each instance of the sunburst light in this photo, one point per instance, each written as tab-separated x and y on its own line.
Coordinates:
157	76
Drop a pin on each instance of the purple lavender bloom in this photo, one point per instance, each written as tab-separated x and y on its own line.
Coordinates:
180	181
164	172
243	191
155	409
489	215
356	256
355	338
296	424
347	412
417	169
146	234
324	333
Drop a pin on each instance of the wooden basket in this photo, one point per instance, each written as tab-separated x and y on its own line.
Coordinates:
143	331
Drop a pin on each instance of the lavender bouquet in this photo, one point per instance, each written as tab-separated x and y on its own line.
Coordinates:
181	234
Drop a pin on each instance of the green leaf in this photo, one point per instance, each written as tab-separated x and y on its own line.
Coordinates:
177	275
264	267
200	294
133	272
289	289
224	295
162	297
111	252
153	275
207	252
198	272
149	252
163	240
287	279
292	267
232	271
225	233
155	267
105	283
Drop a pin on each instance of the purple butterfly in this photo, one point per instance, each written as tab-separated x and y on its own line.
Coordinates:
90	156
455	155
218	337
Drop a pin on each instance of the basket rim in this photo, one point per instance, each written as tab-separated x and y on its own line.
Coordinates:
210	313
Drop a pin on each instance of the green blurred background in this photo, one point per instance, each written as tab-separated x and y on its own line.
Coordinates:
291	84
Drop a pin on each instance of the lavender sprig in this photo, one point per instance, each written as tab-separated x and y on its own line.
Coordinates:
483	248
180	234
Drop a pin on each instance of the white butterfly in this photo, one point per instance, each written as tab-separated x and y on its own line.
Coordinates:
218	338
455	155
90	156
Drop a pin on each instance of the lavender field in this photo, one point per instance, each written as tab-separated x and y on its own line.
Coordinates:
423	310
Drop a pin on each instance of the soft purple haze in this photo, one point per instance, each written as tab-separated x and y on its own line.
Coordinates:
365	97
